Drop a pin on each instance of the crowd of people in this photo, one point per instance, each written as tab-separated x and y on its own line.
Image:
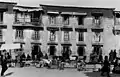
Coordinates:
60	61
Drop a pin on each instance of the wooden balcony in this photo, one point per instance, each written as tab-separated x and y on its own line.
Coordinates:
32	21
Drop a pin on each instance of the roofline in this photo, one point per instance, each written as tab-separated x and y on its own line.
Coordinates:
27	6
9	3
76	7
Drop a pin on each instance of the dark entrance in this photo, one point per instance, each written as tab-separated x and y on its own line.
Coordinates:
52	50
66	52
97	50
36	52
96	55
80	50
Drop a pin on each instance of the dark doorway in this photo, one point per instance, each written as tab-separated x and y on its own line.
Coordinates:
97	50
52	50
66	52
36	52
80	50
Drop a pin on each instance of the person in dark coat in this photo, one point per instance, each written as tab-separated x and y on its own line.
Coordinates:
114	55
3	63
106	67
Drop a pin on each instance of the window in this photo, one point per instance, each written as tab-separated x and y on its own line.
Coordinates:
81	36
117	18
97	21
36	35
66	20
22	17
66	36
19	34
1	36
1	17
80	20
97	37
52	36
117	21
52	19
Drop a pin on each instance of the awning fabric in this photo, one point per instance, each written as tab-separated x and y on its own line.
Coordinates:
10	46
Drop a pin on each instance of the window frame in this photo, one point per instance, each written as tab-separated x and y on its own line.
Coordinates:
36	35
97	20
80	18
19	34
66	19
66	36
52	19
52	36
97	36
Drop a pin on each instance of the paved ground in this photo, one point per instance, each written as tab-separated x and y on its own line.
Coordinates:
43	72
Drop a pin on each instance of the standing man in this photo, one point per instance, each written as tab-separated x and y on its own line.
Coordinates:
4	62
106	67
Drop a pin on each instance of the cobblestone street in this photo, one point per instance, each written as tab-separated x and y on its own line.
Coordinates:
38	72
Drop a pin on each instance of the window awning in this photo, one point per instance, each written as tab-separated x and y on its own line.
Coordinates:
52	28
97	29
66	29
81	29
50	12
76	13
73	13
66	44
68	13
10	46
97	14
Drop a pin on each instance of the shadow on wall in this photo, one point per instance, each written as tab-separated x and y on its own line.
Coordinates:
97	74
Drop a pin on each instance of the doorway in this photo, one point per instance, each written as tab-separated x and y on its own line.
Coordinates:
81	50
66	52
52	50
36	52
97	50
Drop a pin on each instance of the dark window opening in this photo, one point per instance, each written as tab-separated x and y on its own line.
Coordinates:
81	36
66	19
80	20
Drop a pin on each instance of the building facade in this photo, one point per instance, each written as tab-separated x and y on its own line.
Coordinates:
63	30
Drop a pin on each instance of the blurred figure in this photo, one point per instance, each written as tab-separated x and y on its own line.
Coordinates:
106	67
4	63
114	55
111	54
116	67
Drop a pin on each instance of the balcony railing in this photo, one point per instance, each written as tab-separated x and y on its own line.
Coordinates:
33	21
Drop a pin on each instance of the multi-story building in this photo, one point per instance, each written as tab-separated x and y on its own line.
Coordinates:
63	30
82	30
27	28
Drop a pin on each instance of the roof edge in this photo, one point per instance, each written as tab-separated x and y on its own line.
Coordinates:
9	3
69	6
